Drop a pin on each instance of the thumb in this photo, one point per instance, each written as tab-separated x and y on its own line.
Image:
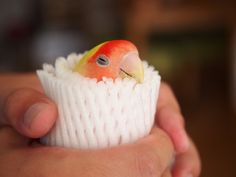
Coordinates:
187	163
10	138
30	112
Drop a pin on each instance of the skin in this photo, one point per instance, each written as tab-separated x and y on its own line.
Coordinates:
151	156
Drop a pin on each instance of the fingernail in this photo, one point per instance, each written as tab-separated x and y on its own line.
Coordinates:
32	113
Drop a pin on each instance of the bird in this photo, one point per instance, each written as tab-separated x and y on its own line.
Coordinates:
112	59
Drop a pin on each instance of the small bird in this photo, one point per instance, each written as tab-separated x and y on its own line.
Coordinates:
112	59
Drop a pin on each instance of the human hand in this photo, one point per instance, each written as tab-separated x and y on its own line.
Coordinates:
31	113
151	156
18	102
169	118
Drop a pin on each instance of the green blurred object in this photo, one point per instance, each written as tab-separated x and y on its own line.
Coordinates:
170	52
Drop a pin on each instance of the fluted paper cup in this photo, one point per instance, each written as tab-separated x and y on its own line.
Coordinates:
98	114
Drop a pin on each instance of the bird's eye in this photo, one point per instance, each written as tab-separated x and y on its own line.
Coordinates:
102	60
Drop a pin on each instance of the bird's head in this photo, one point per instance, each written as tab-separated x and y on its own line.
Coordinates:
112	59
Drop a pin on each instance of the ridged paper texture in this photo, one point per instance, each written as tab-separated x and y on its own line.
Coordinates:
98	114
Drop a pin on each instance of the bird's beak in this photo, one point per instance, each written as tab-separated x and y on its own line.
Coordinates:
132	66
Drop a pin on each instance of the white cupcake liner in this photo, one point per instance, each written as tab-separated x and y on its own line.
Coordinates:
100	114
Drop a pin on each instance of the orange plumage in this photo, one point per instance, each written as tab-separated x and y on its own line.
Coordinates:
111	59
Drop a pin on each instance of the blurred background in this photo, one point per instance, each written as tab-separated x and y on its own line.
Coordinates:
191	42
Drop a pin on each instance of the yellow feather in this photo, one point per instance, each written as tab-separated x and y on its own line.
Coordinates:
87	55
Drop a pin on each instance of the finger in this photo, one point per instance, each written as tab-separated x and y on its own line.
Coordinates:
167	97
169	118
148	157
10	138
167	173
30	112
171	121
14	82
187	164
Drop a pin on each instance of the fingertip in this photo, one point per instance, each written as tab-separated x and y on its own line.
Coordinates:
187	164
30	112
39	119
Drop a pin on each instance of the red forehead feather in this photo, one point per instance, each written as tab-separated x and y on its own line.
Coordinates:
116	47
122	45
